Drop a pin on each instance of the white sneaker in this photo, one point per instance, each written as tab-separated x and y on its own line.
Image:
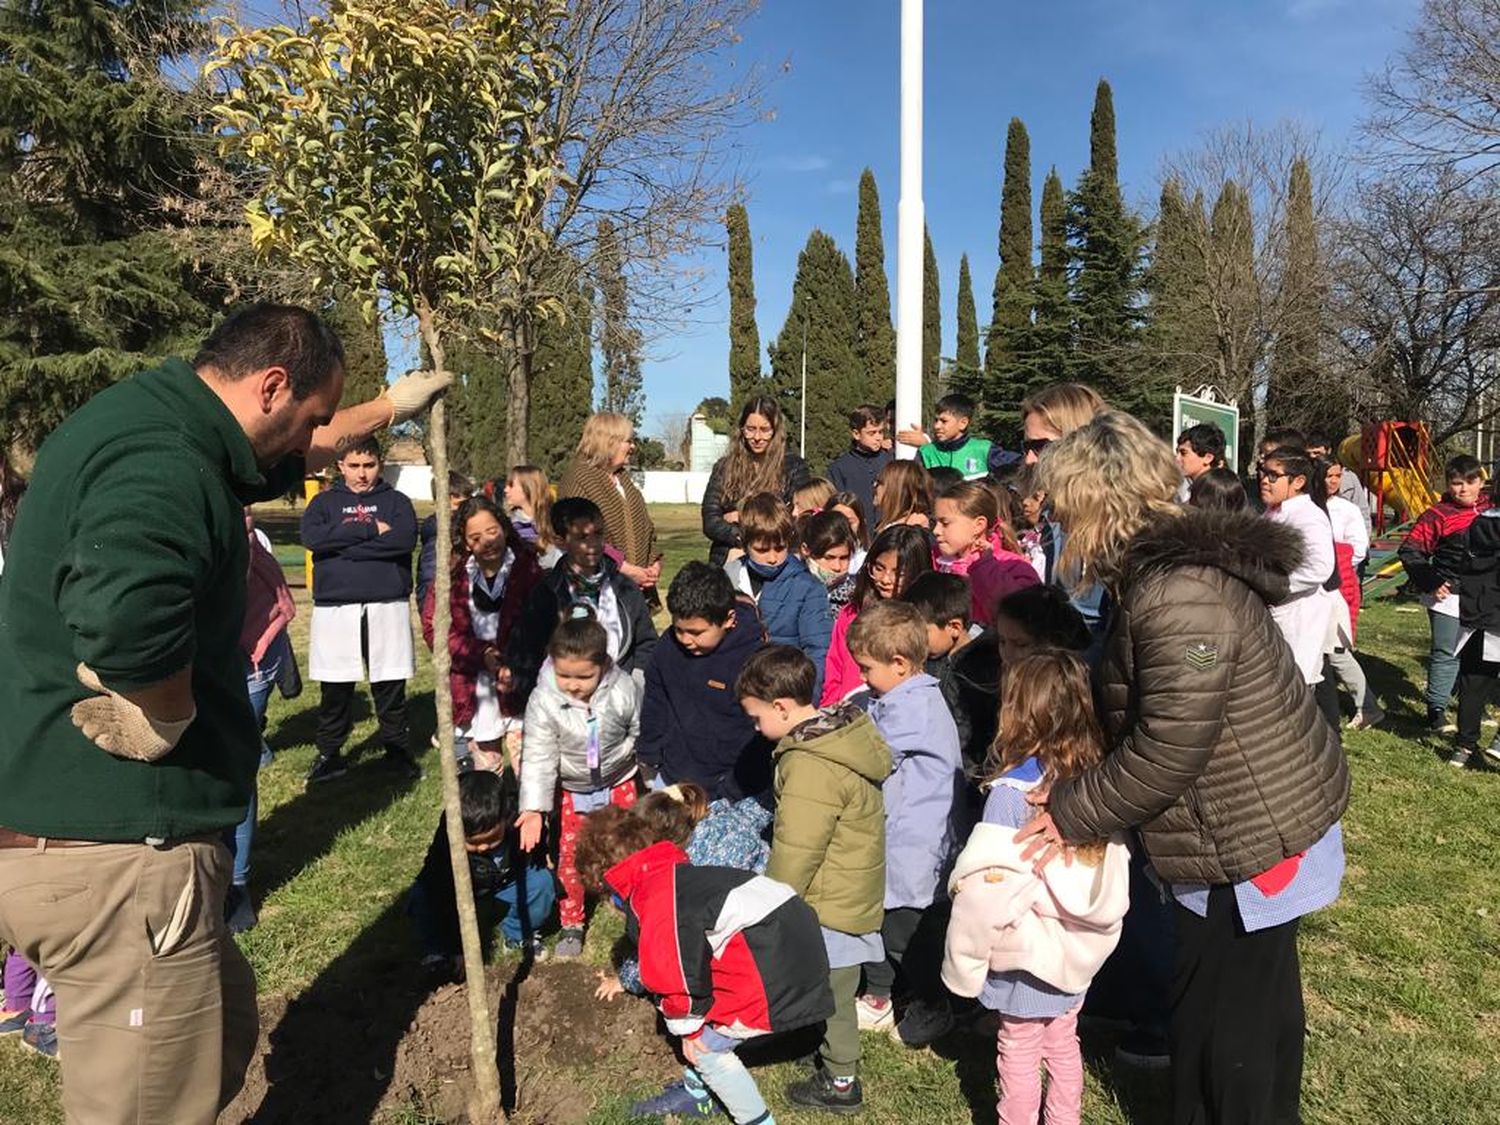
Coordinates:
875	1013
1367	719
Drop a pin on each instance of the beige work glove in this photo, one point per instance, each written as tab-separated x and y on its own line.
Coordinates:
117	726
413	393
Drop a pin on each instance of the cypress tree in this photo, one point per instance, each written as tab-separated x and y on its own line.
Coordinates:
744	336
1010	315
876	338
1106	241
825	306
932	326
1047	356
562	387
364	349
1180	334
1295	367
966	375
1232	234
619	339
476	423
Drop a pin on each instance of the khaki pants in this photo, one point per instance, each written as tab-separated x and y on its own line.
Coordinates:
156	1005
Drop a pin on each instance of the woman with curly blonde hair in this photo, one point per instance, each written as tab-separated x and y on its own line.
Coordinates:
1219	758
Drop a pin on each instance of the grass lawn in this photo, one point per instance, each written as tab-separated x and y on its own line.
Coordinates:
1402	976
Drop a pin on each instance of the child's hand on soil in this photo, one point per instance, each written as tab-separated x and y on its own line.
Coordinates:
609	986
530	824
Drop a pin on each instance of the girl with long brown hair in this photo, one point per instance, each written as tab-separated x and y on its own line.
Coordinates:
1029	951
903	495
757	462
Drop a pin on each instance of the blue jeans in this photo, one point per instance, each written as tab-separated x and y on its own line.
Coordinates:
260	683
439	936
1442	667
721	1073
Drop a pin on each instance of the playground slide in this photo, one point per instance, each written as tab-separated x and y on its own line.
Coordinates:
1405	486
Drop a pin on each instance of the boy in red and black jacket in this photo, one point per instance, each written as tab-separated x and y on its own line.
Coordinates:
1429	553
726	954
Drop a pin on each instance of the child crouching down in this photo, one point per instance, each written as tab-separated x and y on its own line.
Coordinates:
728	956
1027	945
720	833
582	723
827	843
498	869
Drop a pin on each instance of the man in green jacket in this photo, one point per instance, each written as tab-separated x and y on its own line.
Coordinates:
128	745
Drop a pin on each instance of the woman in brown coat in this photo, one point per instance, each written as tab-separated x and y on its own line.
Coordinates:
1220	760
598	473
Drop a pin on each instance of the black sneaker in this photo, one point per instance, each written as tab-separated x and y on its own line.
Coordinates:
1461	757
821	1092
1437	721
326	768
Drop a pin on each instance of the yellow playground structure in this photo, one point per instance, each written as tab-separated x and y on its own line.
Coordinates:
1393	460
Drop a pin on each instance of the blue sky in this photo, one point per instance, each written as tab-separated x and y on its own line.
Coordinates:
1178	69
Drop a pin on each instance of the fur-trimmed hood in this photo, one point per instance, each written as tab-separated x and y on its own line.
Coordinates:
1257	551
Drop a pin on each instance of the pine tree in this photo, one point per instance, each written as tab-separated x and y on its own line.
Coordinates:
966	376
619	339
1106	241
876	339
932	326
825	307
476	410
93	138
1010	313
1046	359
1295	366
744	335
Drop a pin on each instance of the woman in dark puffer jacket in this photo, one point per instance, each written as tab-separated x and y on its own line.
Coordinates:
1220	759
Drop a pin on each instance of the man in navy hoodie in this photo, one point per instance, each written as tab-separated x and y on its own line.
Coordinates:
692	726
361	533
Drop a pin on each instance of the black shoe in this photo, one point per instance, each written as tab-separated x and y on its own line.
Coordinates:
1461	757
326	768
820	1092
400	763
1437	721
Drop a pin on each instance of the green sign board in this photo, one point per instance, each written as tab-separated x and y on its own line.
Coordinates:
1200	408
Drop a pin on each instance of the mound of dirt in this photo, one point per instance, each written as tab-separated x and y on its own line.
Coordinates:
367	1051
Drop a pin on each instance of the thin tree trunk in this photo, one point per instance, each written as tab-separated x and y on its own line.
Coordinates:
518	390
486	1106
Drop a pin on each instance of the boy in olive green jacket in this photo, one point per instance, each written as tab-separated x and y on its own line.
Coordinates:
828	843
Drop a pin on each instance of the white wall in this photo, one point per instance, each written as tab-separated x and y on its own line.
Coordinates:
414	480
673	488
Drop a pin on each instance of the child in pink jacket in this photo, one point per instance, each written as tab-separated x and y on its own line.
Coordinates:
1028	945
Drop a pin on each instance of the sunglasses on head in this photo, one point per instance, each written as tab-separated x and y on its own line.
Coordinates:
1036	444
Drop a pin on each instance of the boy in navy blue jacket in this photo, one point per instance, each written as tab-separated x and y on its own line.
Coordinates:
692	726
361	533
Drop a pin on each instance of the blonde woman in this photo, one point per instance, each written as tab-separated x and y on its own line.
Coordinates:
528	503
1220	759
757	462
598	473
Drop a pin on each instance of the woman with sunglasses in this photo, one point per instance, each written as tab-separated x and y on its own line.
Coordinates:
1292	494
1047	416
758	462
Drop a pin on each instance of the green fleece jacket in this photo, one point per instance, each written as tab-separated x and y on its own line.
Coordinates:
129	555
828	843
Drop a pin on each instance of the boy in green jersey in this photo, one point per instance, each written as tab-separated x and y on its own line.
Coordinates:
950	445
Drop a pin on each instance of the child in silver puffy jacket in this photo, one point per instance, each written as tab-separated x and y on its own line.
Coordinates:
582	722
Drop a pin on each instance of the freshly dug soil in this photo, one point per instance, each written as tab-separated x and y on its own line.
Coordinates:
364	1050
